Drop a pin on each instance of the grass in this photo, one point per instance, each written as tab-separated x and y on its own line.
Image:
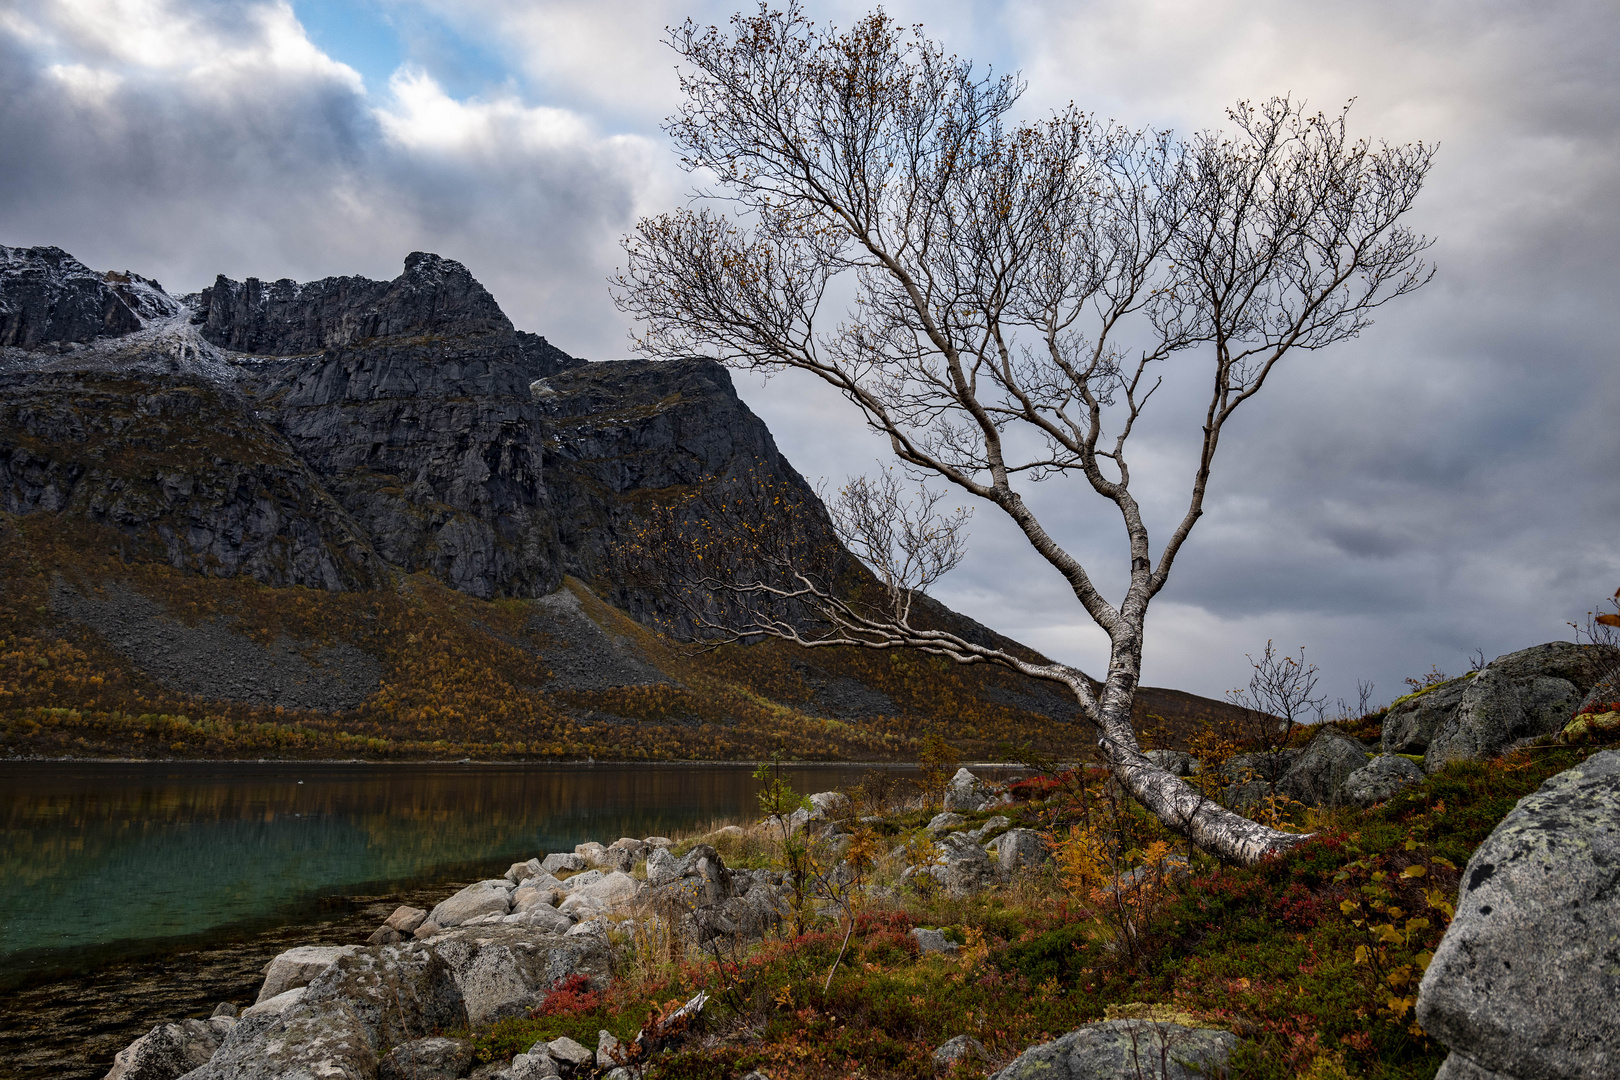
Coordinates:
461	677
1289	954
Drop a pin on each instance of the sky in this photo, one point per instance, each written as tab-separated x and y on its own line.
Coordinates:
1442	484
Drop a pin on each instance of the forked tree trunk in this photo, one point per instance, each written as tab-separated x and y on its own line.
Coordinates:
1184	809
1224	833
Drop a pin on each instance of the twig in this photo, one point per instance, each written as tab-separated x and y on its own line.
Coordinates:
828	984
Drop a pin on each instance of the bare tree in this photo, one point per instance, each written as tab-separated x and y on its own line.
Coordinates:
1021	290
1281	696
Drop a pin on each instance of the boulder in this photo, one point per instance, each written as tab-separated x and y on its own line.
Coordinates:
608	1050
580	881
967	865
613	890
1381	778
1521	695
1174	762
384	935
605	858
967	793
991	828
406	919
504	971
569	1052
541	917
529	894
581	907
277	1005
1125	1048
519	872
396	992
939	823
961	1048
755	910
1537	922
434	1058
659	841
475	901
297	967
932	941
364	1001
1269	766
704	867
426	930
662	867
795	821
171	1050
597	926
1020	851
535	1065
1412	720
829	805
1316	776
562	861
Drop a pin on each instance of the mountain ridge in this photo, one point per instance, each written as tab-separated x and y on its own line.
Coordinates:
367	439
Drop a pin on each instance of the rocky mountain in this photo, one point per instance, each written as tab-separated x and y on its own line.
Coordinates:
351	436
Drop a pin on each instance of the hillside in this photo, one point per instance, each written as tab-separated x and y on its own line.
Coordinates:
352	518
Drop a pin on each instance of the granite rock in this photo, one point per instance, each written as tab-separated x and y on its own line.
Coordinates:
1316	776
503	971
170	1050
432	1058
478	899
1381	778
1412	721
1536	921
1523	694
297	967
1114	1049
1020	851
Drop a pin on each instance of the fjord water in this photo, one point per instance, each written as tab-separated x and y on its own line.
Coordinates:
117	857
137	893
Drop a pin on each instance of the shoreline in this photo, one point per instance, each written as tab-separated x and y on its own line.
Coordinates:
666	762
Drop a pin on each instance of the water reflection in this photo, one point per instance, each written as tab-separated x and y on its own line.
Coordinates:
114	854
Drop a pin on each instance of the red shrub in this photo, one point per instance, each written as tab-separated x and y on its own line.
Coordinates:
1298	908
570	995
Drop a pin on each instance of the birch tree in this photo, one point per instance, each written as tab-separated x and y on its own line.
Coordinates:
1022	288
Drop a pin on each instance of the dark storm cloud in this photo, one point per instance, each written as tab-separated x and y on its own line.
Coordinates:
270	160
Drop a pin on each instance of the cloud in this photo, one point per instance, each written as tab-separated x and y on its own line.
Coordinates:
185	140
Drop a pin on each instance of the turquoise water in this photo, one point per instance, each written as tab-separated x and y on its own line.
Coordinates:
126	856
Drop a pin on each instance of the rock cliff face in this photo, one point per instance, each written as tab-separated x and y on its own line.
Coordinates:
631	433
410	400
49	299
319	433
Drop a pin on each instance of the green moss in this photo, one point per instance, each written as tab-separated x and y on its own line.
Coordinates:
1426	690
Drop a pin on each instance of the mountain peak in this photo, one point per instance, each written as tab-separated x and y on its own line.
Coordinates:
49	299
432	296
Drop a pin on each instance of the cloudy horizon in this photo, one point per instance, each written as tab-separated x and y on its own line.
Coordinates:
1443	483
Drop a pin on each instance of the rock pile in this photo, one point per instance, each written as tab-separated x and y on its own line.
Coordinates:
1517	697
1521	695
492	950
